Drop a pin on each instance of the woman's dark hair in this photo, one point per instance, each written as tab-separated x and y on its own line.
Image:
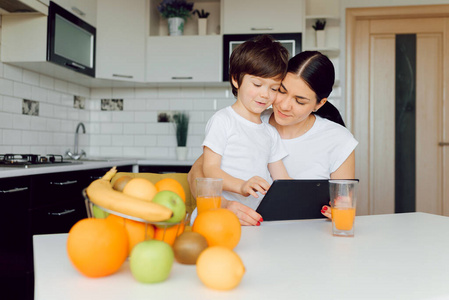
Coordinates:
319	74
262	56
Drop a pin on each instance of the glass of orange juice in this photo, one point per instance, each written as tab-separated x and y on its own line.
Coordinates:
343	195
208	191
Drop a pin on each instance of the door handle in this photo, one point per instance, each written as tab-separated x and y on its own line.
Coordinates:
443	144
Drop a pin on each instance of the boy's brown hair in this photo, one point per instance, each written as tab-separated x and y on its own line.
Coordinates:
262	56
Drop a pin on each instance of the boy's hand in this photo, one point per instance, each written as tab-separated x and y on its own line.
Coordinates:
253	185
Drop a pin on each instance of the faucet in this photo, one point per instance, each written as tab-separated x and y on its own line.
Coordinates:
75	155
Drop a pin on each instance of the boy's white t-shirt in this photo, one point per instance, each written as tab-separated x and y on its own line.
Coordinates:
319	152
246	149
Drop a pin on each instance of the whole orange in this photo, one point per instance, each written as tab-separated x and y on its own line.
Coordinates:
140	188
168	234
220	268
170	184
97	247
220	227
137	231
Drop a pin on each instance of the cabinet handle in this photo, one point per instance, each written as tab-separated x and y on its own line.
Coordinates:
14	190
65	183
443	144
65	212
78	11
261	28
74	65
122	76
180	77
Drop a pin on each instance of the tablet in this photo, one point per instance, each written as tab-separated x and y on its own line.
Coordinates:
294	199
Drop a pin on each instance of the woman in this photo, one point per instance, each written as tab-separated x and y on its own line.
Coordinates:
311	129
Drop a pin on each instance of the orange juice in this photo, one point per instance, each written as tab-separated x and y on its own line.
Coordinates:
343	218
205	203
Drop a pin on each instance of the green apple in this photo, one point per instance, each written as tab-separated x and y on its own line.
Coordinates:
173	202
151	261
99	213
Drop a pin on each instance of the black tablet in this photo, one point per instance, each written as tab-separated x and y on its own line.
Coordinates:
294	199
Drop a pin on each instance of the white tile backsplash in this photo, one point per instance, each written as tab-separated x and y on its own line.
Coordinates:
133	132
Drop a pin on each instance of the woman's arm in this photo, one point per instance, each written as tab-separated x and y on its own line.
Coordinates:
345	171
278	170
196	171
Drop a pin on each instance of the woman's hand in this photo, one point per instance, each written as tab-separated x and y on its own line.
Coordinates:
326	211
246	215
253	185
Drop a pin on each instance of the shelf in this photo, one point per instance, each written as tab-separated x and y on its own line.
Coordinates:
327	17
328	51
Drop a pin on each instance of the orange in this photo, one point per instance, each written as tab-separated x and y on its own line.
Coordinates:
220	268
135	230
170	184
97	247
220	227
140	188
168	234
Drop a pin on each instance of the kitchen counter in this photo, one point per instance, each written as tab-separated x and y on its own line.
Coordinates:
397	256
6	172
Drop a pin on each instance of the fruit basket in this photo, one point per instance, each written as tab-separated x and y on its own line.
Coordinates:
165	231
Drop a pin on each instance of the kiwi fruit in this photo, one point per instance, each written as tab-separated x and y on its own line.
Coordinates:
188	246
120	183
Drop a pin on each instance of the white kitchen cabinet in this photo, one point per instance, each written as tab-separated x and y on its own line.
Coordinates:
262	16
24	6
121	39
184	58
83	9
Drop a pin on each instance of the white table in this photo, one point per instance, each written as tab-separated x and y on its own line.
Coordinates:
399	256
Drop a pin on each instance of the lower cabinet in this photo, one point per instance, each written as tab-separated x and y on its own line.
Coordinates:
16	264
38	204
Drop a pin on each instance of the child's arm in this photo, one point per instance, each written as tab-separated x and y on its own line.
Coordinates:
211	168
278	170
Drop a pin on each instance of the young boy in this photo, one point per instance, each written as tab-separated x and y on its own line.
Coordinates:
238	146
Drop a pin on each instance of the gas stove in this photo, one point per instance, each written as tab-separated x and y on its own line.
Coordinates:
33	160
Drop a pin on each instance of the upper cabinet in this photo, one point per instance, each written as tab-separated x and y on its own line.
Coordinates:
184	59
83	9
121	39
262	16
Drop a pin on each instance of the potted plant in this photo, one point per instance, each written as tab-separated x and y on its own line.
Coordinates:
181	121
176	12
202	21
320	33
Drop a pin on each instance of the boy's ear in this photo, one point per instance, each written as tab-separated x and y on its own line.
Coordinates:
234	83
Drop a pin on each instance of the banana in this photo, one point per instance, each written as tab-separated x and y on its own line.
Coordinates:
100	192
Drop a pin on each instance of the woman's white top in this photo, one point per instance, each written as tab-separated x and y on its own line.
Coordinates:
319	152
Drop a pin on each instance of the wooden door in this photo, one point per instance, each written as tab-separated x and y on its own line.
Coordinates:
372	40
